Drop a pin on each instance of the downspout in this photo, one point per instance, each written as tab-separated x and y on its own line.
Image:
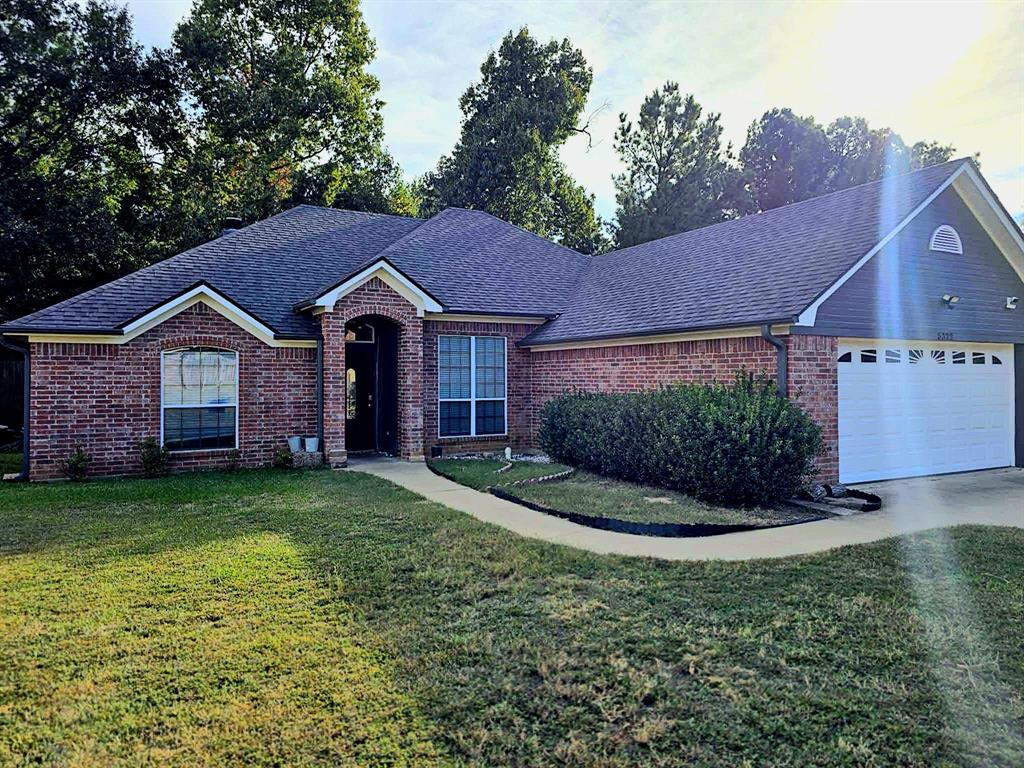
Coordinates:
320	392
27	379
781	357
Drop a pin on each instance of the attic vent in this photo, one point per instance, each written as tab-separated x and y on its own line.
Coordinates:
946	239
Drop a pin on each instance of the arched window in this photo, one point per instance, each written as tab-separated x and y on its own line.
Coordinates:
946	239
199	399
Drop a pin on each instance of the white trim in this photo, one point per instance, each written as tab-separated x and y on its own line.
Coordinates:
445	317
1002	229
472	399
200	294
390	276
726	333
809	315
236	406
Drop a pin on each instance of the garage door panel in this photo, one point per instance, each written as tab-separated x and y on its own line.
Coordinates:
923	408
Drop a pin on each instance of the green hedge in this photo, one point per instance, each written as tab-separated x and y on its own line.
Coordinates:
740	445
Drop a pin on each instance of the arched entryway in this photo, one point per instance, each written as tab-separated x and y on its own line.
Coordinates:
371	385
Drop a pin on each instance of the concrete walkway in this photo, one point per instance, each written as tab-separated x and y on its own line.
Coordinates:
995	497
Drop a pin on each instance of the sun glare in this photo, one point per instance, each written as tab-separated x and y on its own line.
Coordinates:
888	51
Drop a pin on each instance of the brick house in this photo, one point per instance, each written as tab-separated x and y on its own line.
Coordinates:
888	309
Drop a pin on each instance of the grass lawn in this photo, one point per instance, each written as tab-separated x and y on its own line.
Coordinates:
588	494
10	462
480	473
323	618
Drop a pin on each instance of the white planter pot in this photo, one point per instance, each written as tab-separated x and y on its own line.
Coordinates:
295	444
312	444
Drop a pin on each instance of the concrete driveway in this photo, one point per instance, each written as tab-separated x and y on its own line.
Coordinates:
994	497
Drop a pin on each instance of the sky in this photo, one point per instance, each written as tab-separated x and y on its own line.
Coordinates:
946	71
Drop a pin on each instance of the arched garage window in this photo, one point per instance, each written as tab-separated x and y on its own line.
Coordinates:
199	399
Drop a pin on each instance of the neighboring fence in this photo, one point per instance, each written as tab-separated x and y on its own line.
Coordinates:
12	392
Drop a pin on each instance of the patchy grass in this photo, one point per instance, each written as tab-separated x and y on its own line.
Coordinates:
321	618
481	473
588	494
10	462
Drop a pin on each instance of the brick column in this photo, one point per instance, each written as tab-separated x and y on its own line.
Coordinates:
814	384
410	388
333	327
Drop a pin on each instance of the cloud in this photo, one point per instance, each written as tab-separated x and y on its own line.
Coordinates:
944	71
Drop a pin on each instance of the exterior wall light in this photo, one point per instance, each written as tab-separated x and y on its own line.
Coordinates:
1011	302
951	299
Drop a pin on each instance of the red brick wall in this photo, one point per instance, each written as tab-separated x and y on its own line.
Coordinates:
374	298
644	366
519	428
814	384
105	398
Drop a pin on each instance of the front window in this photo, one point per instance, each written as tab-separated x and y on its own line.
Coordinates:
199	399
471	386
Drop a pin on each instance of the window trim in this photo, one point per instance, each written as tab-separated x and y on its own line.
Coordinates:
235	405
472	399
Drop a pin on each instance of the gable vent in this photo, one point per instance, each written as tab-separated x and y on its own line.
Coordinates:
946	239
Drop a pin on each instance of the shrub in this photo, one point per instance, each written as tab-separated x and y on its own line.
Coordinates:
76	466
283	458
153	458
740	445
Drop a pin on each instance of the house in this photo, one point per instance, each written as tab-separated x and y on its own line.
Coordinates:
890	309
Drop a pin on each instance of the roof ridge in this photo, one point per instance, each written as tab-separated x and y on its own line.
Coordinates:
510	224
349	210
788	206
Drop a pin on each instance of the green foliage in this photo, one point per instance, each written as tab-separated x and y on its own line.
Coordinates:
281	111
83	116
152	458
283	458
678	176
76	466
735	445
788	158
111	158
525	106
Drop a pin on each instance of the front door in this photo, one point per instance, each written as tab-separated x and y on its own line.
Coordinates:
360	387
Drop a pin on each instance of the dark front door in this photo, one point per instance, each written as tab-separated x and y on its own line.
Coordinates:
360	392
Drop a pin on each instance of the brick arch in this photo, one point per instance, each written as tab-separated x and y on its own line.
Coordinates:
375	297
217	342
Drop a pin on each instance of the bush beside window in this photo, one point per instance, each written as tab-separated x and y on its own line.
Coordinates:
740	445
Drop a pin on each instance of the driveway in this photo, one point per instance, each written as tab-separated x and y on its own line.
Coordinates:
994	497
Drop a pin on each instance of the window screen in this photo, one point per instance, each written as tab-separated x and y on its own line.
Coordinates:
471	385
200	399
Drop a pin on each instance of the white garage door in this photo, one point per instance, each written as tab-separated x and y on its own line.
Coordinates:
919	408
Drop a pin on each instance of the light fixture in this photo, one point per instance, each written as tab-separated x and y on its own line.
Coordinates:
1011	302
951	299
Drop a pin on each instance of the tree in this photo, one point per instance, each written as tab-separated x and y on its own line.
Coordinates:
859	154
526	105
281	111
785	159
788	158
678	176
83	119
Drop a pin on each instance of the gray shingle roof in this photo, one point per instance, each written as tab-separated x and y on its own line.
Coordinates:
761	268
265	268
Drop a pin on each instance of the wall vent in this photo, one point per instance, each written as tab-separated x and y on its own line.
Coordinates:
946	239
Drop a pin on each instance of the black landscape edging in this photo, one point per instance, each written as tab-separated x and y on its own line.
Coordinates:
665	530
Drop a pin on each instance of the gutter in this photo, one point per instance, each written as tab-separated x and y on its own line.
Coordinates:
781	358
27	378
